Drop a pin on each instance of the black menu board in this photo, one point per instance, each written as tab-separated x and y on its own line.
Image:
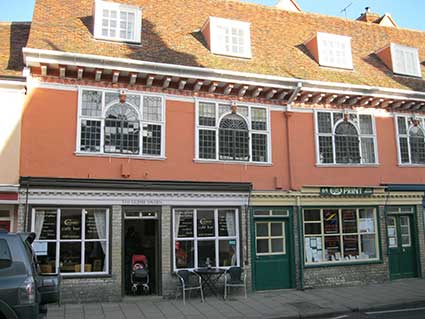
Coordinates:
70	226
91	229
185	224
48	230
205	224
222	225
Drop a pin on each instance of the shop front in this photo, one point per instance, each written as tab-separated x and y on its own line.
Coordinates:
8	207
346	235
94	231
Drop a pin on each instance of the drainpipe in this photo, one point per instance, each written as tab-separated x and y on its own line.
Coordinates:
247	219
26	209
300	243
288	147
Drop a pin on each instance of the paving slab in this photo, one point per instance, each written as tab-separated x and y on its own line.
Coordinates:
278	304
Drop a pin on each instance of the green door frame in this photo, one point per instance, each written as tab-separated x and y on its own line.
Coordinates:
289	238
414	227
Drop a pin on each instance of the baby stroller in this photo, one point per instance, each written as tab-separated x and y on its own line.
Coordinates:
139	274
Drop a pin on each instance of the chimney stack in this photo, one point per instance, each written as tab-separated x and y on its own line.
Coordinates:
370	17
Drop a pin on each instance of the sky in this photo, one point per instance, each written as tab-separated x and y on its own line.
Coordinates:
407	13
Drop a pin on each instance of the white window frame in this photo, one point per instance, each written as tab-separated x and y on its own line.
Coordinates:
341	234
360	135
216	27
9	219
118	7
215	128
101	118
339	40
83	240
398	136
195	239
404	69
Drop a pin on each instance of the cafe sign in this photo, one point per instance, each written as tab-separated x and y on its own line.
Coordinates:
346	191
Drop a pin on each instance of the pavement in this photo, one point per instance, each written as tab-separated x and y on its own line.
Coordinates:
309	303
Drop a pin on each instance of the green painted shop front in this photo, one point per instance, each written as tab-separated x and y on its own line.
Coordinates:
272	247
402	242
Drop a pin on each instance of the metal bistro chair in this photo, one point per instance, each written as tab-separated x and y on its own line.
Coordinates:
188	284
234	277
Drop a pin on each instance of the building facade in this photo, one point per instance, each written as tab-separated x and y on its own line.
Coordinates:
12	96
289	143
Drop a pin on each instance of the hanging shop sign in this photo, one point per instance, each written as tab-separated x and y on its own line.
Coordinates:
346	191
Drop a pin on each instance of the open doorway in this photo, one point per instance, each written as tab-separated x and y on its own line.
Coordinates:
141	247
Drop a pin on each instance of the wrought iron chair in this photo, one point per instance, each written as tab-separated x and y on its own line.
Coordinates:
186	284
234	277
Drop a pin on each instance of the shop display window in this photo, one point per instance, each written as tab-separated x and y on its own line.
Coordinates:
340	235
205	237
71	240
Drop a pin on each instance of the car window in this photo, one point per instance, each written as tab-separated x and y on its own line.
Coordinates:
5	257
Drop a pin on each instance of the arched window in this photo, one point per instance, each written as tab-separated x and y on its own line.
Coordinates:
233	138
417	145
347	148
122	129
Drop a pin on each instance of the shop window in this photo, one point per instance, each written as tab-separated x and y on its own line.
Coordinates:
239	134
117	22
205	237
340	235
108	125
345	138
411	140
71	240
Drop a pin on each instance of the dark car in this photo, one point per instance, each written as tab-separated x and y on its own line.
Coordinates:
24	291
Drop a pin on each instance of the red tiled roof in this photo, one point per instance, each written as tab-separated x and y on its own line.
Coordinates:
171	35
13	37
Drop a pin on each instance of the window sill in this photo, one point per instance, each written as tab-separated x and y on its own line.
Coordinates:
142	157
347	165
118	40
207	161
411	165
66	276
343	263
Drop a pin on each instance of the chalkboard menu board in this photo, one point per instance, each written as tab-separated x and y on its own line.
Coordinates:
48	230
91	229
222	225
205	224
70	225
184	221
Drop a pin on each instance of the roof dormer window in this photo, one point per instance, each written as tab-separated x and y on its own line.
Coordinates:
405	60
228	37
401	59
331	50
117	22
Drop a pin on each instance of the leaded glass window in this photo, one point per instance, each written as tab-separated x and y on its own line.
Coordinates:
106	125
346	143
411	140
233	138
345	138
223	134
122	130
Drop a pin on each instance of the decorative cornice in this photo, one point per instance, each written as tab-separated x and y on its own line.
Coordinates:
41	196
241	86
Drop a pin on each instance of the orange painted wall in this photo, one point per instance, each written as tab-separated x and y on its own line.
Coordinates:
305	172
49	136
